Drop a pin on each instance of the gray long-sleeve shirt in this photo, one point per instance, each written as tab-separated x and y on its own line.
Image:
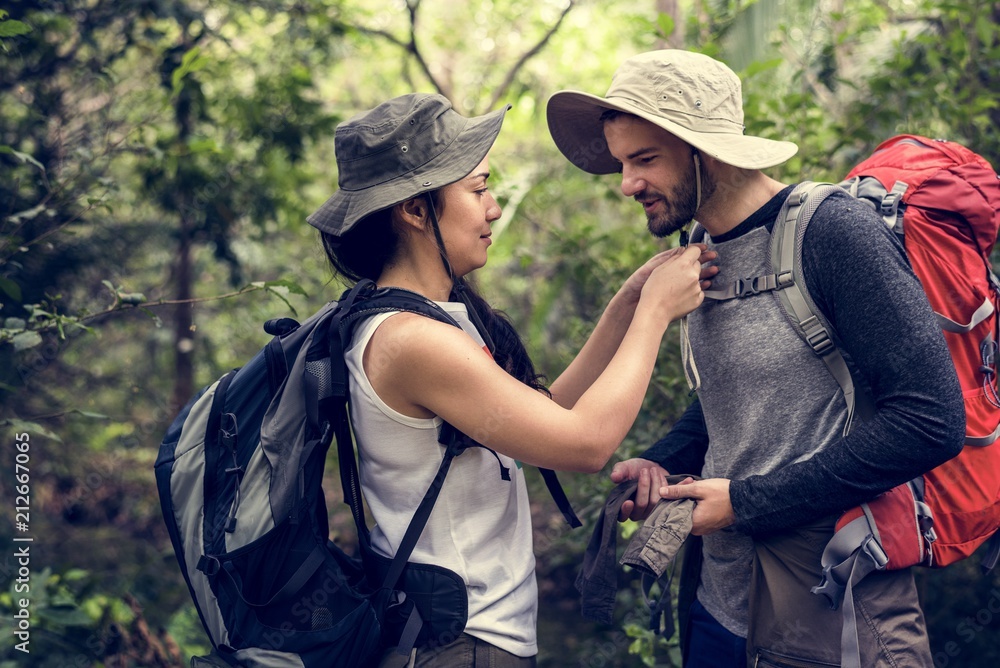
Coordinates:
863	284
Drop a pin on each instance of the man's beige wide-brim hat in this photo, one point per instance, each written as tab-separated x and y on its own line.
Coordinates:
690	95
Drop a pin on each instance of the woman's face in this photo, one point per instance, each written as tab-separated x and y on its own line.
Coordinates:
466	213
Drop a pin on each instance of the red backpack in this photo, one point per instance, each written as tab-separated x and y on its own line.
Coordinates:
943	201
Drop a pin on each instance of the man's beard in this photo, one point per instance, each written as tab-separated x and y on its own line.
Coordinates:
678	209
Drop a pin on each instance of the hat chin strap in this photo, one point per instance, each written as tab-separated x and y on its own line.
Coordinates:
440	240
458	284
697	182
697	189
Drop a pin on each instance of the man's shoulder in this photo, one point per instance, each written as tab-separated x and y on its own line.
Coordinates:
845	221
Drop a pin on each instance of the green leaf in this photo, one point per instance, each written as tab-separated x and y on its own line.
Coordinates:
14	323
25	340
13	28
23	157
759	66
985	29
280	296
11	288
94	607
27	214
203	145
90	414
28	427
74	574
131	297
192	61
121	612
64	616
100	203
292	286
665	22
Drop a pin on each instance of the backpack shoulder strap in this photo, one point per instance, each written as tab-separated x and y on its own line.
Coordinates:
802	312
358	303
697	233
384	300
396	299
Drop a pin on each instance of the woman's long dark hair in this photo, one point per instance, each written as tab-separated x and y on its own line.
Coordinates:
363	253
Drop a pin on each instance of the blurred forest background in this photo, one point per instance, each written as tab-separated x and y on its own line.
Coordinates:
158	159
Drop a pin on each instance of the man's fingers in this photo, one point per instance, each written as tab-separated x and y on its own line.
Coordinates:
643	488
686	489
625	511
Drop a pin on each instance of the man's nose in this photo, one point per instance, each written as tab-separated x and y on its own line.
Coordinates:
631	184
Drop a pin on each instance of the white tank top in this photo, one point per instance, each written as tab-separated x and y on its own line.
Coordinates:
480	526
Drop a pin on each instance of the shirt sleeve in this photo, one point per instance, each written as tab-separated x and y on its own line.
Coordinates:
858	275
683	449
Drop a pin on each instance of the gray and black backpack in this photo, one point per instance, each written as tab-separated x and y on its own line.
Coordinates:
239	475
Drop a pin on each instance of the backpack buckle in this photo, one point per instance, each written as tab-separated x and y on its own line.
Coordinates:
829	587
875	552
209	565
746	287
925	520
229	430
890	203
743	287
816	336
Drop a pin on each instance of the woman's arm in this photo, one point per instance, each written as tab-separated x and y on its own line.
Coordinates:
441	371
603	342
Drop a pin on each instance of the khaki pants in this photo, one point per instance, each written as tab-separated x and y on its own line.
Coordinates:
465	652
790	626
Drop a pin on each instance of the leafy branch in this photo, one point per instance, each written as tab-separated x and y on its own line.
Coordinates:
24	334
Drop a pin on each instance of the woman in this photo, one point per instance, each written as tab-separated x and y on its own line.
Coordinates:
414	211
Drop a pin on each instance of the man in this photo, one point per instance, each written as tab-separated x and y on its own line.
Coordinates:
767	432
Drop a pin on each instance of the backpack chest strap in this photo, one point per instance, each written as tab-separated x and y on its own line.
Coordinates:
744	287
748	287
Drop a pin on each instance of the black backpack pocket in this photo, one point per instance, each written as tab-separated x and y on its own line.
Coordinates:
439	594
287	593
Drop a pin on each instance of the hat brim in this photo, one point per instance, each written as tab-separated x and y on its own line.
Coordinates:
345	208
574	120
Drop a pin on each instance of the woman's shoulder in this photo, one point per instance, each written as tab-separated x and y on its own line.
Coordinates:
420	335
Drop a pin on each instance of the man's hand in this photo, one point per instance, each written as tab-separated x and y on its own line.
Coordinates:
713	509
651	477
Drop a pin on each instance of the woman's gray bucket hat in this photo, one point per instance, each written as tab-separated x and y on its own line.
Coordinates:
402	148
690	95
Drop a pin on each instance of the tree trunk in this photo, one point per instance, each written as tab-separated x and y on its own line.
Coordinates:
183	275
183	318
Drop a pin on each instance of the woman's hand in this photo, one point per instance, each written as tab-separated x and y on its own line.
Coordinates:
674	287
632	288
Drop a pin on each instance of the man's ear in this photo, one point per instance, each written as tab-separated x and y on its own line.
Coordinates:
413	212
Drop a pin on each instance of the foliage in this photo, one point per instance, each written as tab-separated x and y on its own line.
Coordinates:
71	624
157	160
